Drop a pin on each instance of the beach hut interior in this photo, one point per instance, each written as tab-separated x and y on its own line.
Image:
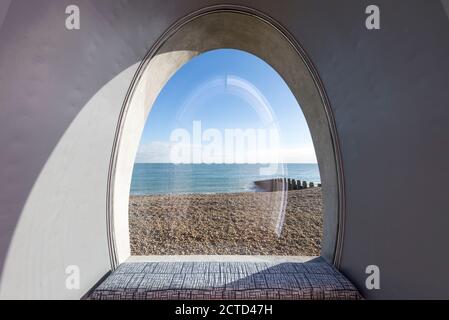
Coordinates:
118	118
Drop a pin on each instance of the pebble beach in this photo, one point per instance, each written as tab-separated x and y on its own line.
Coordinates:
247	223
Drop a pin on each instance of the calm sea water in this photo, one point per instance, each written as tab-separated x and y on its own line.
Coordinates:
149	178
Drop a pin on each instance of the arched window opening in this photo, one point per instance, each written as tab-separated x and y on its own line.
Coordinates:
226	165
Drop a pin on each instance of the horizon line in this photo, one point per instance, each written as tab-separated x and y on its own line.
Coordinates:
266	163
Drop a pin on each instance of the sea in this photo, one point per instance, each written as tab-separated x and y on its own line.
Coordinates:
165	178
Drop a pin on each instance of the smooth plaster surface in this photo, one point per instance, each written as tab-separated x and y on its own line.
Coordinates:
387	89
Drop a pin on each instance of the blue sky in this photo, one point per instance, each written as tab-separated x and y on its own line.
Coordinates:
227	89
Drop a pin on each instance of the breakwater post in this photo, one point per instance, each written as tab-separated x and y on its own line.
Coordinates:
283	184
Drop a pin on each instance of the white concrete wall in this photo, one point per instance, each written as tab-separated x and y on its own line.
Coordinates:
70	194
387	89
154	77
63	222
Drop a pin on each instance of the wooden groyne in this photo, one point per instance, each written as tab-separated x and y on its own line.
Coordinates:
284	184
